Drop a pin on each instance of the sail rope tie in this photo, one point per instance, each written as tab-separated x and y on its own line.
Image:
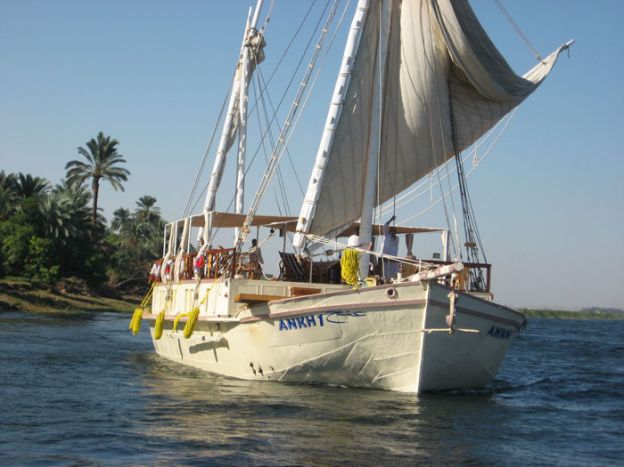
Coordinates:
350	267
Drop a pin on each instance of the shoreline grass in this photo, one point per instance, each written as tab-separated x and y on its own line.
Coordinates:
17	294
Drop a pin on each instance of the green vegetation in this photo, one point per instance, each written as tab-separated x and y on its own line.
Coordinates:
54	235
103	163
586	313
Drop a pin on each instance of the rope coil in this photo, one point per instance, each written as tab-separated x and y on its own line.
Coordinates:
350	267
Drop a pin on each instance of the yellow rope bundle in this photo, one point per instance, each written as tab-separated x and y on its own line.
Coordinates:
135	322
190	322
159	325
350	266
137	316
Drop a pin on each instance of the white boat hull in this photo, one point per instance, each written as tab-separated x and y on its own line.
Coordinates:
389	337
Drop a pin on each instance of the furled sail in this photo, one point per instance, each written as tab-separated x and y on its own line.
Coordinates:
445	85
247	62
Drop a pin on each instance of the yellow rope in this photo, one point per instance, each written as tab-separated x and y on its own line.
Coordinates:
190	322
203	300
350	266
159	325
135	322
147	297
177	320
137	316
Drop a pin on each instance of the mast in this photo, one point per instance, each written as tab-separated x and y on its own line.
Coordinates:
374	147
337	102
242	129
231	124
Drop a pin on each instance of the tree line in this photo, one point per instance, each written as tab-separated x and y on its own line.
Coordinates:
48	232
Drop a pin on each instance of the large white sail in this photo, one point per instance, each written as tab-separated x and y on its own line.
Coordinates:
446	84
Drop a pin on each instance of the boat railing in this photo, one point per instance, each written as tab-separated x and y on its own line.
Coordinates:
213	264
218	262
295	268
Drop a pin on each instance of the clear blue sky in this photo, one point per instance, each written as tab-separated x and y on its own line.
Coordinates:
153	74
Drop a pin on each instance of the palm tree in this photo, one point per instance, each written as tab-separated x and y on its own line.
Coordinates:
103	162
65	212
6	180
121	219
7	194
146	210
27	186
7	201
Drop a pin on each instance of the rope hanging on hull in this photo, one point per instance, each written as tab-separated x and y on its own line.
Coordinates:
137	316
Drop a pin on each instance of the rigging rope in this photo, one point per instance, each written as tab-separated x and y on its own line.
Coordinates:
275	69
518	30
285	134
423	187
187	207
260	114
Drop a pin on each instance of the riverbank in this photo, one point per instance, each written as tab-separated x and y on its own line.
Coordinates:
22	295
566	314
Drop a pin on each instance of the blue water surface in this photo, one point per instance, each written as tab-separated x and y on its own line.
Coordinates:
80	389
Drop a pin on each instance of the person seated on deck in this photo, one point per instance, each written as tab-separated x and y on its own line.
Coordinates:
409	269
390	247
198	265
255	260
154	275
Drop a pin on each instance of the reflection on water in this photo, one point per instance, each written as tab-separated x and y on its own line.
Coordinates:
80	389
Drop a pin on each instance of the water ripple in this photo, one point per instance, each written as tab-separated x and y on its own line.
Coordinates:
80	390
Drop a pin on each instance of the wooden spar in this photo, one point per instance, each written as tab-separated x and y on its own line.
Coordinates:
438	272
335	108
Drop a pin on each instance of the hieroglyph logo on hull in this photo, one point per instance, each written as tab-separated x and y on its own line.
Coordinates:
312	321
499	333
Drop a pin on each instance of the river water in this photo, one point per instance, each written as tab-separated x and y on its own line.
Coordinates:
81	390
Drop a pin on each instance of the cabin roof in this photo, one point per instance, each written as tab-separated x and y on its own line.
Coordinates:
400	230
225	220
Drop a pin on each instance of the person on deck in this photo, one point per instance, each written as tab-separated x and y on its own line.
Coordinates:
354	240
255	259
390	247
350	260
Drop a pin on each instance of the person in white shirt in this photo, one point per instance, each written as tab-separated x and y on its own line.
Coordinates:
390	247
255	259
354	240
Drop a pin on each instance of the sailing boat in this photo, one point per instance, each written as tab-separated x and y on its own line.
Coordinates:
420	81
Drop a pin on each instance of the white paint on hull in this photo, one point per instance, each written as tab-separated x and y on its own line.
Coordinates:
371	337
